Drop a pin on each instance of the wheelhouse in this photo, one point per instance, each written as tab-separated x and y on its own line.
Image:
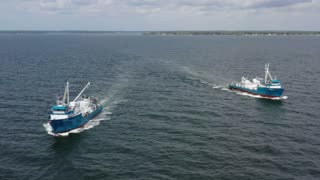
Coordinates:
59	109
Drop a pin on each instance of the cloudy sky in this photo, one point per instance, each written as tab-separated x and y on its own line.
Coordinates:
129	15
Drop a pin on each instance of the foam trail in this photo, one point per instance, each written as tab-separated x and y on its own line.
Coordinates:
223	88
226	89
205	79
103	101
217	87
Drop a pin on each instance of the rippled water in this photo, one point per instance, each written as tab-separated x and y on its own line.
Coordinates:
168	114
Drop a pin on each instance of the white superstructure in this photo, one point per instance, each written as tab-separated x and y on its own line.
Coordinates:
267	82
80	105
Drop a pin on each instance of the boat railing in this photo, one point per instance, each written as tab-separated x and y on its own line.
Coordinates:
235	83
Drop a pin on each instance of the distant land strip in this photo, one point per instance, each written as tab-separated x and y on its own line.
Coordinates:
232	33
59	31
207	33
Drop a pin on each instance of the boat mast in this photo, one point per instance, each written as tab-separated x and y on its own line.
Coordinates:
68	97
267	73
66	94
82	91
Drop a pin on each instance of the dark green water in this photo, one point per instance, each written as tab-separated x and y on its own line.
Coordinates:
168	115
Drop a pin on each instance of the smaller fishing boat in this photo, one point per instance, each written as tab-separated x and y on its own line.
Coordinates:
268	87
66	116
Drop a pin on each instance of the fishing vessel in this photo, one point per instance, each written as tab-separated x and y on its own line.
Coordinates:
66	116
268	87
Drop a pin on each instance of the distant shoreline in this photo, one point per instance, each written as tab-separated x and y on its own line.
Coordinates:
250	33
164	33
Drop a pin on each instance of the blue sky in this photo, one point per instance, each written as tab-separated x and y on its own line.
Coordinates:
128	15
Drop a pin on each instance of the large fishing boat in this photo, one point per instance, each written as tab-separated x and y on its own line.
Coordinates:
268	87
66	116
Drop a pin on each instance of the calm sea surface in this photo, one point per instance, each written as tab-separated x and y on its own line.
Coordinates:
167	112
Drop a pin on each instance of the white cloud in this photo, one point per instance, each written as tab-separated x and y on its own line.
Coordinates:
170	14
145	6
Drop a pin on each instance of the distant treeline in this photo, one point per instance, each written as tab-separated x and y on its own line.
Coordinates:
53	32
167	32
232	33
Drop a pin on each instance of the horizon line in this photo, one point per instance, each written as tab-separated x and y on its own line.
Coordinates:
70	30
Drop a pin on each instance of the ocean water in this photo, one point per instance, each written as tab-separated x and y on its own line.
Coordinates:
168	114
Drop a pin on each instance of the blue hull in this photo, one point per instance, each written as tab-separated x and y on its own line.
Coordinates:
262	91
65	125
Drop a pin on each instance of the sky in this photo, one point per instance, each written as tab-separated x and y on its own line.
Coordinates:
153	15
